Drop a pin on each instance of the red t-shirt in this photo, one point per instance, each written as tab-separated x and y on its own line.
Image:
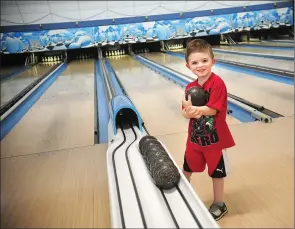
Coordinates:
210	133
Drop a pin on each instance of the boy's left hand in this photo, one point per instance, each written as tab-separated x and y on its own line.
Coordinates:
194	112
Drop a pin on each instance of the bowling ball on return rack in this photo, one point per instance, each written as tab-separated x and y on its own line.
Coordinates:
156	159
160	166
153	153
144	140
165	175
150	145
199	96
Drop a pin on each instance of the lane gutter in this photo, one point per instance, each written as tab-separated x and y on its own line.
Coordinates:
24	105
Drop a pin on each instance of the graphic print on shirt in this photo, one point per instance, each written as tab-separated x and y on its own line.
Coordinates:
203	131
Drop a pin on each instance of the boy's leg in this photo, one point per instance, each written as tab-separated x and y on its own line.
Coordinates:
218	188
186	170
217	171
193	162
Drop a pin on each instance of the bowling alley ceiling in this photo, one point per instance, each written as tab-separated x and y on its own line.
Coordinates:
42	12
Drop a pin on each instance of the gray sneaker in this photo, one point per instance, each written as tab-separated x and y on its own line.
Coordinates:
218	212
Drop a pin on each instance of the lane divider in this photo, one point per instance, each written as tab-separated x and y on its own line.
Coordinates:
240	111
271	56
13	116
257	46
101	106
257	73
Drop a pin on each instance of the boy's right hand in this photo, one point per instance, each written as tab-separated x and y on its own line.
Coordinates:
186	103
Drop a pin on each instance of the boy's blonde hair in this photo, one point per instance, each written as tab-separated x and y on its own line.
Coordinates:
198	45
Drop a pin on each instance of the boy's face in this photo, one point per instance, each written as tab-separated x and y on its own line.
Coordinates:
200	63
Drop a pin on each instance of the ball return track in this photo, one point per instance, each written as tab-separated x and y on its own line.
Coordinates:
135	200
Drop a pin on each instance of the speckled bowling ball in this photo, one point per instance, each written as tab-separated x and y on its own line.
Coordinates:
144	140
165	175
151	144
153	153
199	96
157	158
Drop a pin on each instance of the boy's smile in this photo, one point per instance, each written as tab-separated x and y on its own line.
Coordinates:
200	63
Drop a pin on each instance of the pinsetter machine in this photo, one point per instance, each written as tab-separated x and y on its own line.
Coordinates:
136	199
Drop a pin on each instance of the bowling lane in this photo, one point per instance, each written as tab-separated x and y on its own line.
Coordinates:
9	70
255	50
62	118
259	61
270	44
157	99
272	95
11	87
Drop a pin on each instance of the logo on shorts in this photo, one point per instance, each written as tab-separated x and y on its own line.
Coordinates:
220	170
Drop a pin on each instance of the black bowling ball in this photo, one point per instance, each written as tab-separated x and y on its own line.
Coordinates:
151	144
157	158
144	140
199	96
165	175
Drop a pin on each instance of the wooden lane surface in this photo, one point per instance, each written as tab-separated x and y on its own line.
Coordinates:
68	188
275	96
157	99
259	191
62	118
256	50
9	69
259	61
60	189
270	44
14	85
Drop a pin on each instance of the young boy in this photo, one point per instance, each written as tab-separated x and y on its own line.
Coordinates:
208	133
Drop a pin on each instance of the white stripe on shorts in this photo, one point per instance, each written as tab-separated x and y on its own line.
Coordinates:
226	162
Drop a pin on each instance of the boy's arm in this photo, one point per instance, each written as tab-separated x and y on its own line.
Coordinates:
185	114
198	112
207	111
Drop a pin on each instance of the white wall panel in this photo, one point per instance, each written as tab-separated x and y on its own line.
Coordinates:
66	16
8	3
147	3
93	14
116	4
36	8
145	10
40	18
121	11
11	19
161	10
9	9
92	5
66	11
29	2
64	6
175	7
